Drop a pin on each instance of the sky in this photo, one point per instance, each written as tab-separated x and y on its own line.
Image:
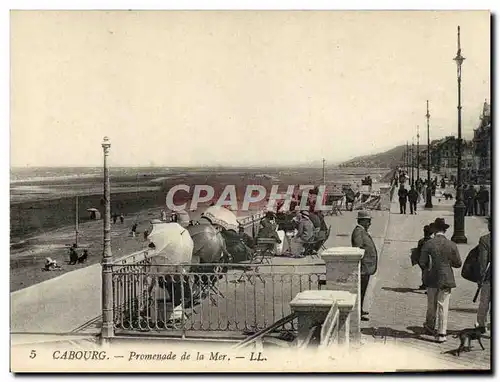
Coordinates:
194	88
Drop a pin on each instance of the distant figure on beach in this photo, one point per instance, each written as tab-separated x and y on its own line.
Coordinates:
73	255
122	218
83	258
146	233
163	216
403	198
115	218
360	238
350	197
134	230
51	265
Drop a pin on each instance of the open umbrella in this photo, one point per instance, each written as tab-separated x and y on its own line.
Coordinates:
222	216
173	245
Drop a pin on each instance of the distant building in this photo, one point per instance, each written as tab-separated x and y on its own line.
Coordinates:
482	145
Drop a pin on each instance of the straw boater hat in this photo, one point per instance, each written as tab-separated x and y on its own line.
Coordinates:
364	215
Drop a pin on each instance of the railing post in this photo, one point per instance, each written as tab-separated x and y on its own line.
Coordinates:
343	268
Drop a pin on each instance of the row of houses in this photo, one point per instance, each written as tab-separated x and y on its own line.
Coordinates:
476	153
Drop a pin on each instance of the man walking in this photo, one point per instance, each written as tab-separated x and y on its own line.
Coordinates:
484	258
413	198
403	197
361	238
428	234
438	256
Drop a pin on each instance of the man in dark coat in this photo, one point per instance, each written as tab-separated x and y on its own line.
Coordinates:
413	199
484	258
469	195
483	199
438	258
361	238
428	234
403	197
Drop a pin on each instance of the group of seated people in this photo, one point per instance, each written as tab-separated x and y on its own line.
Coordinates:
304	231
75	258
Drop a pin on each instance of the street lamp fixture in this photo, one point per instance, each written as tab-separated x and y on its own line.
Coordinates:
412	161
428	192
459	207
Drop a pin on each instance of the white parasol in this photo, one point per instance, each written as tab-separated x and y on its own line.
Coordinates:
173	245
222	216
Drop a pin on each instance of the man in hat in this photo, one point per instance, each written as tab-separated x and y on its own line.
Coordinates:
403	199
362	239
484	258
438	256
428	234
305	233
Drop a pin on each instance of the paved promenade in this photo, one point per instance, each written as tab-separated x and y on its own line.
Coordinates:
397	308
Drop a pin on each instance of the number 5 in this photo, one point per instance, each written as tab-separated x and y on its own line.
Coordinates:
33	354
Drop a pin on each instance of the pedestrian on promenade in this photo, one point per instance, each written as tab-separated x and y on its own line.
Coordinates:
484	258
470	194
360	238
484	197
438	256
413	199
403	198
428	234
122	218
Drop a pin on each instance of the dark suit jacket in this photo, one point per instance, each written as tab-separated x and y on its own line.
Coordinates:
403	194
438	256
485	255
362	239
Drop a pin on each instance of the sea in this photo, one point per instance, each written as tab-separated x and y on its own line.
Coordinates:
43	198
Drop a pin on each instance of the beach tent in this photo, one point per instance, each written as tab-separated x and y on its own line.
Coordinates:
94	213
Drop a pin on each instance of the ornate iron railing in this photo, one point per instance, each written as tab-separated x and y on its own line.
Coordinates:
242	298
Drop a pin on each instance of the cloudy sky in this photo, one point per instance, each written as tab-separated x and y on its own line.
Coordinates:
256	87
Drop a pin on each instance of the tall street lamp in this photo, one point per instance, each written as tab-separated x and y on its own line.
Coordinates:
107	257
418	153
412	161
407	160
459	207
428	192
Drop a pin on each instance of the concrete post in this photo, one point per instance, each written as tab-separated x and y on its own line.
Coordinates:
312	307
343	268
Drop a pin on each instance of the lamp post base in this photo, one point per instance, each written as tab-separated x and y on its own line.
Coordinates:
459	223
428	198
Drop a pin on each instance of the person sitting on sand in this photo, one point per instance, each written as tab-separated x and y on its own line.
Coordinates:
134	230
83	258
51	265
73	255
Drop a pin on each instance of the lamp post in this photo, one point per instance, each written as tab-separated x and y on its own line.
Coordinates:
428	192
107	256
418	153
407	160
412	161
459	207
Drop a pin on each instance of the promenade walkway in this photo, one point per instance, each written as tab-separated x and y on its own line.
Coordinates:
398	308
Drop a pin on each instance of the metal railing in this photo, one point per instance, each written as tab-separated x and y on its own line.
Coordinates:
242	298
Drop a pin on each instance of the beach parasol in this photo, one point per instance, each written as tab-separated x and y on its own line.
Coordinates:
222	216
208	243
173	245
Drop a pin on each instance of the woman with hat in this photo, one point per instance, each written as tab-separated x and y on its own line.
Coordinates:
438	257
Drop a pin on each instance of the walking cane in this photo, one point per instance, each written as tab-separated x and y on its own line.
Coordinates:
483	279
